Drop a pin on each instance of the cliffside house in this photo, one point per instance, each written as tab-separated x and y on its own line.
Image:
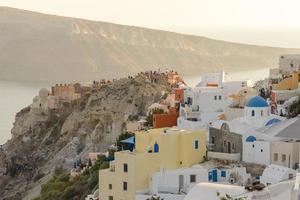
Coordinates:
155	149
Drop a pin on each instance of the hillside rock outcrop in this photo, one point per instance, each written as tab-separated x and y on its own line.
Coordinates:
91	123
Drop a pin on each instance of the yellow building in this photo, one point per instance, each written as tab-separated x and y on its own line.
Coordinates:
155	149
289	83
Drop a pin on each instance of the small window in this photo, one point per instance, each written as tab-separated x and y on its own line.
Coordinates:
125	186
125	167
275	156
216	97
261	113
261	150
224	143
253	146
196	144
110	186
110	198
220	97
193	178
283	157
252	113
223	173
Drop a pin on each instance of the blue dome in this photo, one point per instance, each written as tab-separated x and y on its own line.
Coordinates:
250	138
272	121
257	101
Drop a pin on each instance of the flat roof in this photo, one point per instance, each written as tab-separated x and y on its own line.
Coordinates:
292	131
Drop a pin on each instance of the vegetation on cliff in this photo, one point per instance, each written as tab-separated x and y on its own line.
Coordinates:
91	124
61	187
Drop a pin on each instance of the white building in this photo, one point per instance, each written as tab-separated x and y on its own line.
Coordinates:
253	128
202	106
43	102
207	101
208	191
289	63
224	82
274	174
175	184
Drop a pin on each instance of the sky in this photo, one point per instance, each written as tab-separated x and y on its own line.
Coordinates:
261	22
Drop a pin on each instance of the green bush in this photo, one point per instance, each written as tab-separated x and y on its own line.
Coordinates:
294	109
61	188
69	193
104	165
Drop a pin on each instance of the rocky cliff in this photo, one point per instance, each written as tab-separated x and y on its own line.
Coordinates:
37	46
92	123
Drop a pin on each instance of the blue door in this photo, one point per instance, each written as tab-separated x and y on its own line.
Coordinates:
156	148
214	175
209	176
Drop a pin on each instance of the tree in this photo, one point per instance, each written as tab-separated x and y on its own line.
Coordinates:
149	118
294	108
121	137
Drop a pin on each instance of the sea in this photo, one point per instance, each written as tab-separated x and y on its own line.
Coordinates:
16	95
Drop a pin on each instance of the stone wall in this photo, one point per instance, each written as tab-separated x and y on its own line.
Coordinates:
65	92
225	141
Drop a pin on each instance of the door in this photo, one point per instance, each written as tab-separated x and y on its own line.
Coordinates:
180	183
214	175
228	147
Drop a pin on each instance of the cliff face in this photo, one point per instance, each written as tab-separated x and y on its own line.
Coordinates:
92	123
37	46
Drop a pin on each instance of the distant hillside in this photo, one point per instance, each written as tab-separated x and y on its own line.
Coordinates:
37	46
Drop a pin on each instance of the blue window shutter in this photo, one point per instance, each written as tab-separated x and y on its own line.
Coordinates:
223	173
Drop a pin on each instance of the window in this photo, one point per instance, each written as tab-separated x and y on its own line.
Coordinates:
253	146
224	143
261	113
125	186
156	148
193	178
110	186
283	157
125	167
261	150
252	113
196	144
216	97
110	198
213	139
223	173
275	156
220	97
291	176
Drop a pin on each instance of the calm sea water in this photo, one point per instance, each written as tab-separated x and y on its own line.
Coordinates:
14	97
17	95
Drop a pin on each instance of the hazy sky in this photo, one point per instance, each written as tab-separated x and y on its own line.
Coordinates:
264	22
